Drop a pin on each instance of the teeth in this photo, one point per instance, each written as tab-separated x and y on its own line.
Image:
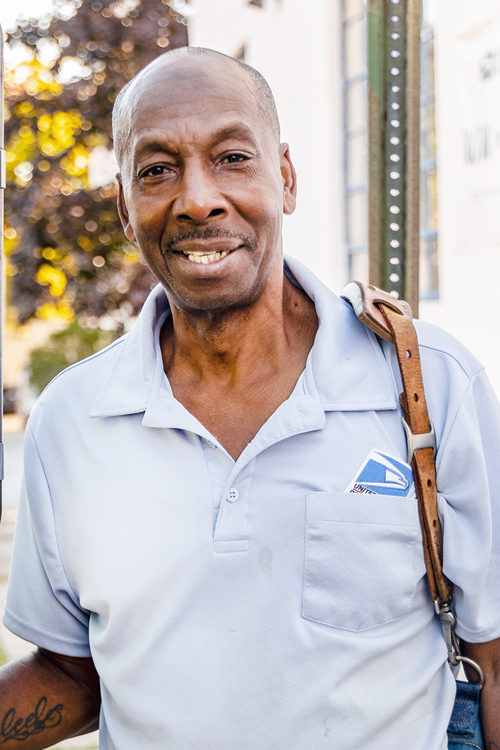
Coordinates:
205	258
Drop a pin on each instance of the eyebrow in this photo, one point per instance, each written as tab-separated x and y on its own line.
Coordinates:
233	131
236	130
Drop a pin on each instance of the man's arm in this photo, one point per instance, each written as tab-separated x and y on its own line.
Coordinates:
46	697
487	655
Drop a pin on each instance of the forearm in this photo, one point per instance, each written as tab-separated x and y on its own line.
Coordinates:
487	655
42	703
490	714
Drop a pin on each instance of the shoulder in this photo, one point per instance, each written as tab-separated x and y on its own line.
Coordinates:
435	342
445	361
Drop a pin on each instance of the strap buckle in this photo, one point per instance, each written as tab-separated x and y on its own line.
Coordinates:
416	442
449	623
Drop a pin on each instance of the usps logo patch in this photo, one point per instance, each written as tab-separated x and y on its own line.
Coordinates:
382	474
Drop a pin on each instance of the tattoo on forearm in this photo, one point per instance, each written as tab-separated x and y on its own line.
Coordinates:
492	746
14	728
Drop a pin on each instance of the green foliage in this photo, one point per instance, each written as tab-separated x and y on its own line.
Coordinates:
63	349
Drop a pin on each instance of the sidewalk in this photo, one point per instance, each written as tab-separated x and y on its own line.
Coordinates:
11	647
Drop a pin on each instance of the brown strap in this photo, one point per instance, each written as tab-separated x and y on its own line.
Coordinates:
392	319
423	464
365	301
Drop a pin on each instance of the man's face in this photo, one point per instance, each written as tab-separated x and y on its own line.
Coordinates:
204	185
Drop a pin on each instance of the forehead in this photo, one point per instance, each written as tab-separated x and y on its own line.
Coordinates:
198	94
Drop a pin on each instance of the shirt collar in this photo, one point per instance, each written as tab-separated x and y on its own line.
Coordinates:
346	360
345	367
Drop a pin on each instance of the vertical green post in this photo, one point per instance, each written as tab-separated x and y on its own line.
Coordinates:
394	136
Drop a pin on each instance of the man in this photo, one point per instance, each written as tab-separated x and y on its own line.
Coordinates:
188	536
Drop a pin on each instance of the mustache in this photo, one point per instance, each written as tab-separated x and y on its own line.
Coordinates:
170	244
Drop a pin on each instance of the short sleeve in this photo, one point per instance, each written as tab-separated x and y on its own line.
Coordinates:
468	480
41	606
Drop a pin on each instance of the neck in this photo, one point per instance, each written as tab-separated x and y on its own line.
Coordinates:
236	345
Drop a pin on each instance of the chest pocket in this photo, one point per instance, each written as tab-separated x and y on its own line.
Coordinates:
360	568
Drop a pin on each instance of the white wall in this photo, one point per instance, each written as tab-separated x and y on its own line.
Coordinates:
468	191
296	47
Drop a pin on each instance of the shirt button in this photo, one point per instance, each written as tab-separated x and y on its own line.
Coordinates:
232	495
211	445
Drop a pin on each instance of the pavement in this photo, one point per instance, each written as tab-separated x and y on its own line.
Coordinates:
12	647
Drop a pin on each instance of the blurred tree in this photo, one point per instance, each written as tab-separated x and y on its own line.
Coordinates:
63	349
66	250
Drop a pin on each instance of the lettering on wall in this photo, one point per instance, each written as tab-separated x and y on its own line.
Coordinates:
476	144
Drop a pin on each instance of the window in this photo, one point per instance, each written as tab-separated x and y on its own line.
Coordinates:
356	150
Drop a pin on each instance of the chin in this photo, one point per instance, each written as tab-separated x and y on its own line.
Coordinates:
221	304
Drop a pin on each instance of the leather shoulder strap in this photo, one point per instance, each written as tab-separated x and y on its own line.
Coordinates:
392	319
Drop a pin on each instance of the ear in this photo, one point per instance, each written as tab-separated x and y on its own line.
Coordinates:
123	211
289	180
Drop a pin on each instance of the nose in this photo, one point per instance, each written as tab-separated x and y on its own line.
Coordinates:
198	198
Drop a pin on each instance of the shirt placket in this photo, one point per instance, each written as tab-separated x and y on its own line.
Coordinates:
230	533
291	418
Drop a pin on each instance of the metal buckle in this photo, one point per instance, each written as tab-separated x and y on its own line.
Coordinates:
448	623
416	442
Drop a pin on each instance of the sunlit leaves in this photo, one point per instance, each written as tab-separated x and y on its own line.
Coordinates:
67	250
58	311
25	109
56	133
20	149
33	78
52	277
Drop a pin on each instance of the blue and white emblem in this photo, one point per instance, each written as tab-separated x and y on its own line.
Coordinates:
381	474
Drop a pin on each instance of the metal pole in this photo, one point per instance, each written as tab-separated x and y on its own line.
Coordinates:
3	185
394	137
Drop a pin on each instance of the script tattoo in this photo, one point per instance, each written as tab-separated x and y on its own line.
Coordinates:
14	728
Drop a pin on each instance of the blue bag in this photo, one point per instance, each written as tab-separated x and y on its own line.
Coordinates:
464	729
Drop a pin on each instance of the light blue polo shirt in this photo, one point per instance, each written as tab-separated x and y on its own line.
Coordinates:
278	602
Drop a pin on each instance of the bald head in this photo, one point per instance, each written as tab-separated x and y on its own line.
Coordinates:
127	98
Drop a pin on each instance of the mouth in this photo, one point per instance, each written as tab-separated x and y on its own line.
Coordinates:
205	257
207	251
210	247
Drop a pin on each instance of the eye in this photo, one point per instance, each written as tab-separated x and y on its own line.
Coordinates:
156	170
234	158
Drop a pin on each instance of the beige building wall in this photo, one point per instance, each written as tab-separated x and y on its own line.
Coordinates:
296	46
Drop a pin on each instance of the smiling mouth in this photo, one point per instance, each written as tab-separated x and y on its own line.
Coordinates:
205	257
208	246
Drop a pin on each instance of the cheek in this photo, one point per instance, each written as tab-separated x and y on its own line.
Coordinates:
263	208
147	223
